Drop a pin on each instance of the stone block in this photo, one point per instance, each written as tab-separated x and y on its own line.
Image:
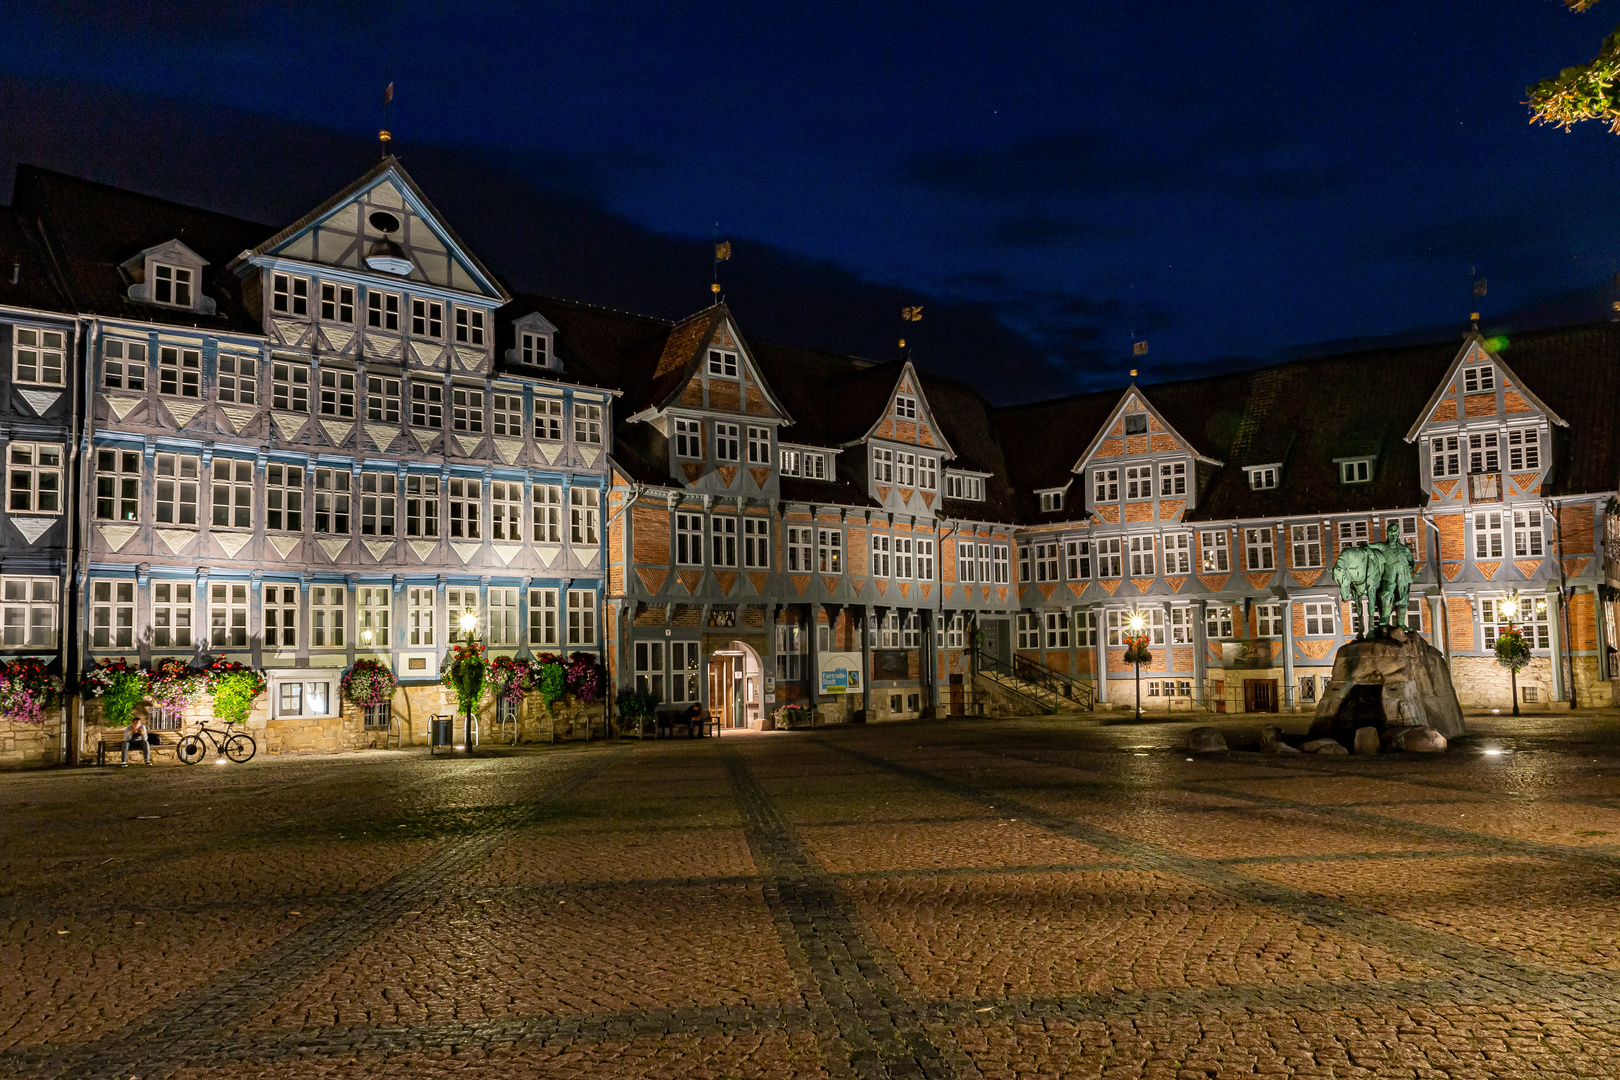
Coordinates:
1386	682
1206	740
1366	740
1324	746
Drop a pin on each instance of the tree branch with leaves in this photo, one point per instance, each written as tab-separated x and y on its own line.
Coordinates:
1583	92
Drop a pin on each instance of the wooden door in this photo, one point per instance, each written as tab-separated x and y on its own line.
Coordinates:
958	696
1260	695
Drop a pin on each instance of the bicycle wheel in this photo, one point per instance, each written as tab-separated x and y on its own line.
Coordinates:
191	750
240	748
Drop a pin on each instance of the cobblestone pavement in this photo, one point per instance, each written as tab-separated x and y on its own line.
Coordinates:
1035	898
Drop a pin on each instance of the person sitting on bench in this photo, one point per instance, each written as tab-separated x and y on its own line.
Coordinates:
694	719
136	733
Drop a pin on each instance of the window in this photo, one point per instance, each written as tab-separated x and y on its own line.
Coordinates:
1136	424
1105	485
506	415
427	405
506	511
337	303
228	615
905	469
289	295
965	562
1077	560
1355	472
328	614
1152	625
548	417
583	505
791	645
382	311
1218	621
882	466
1051	501
588	425
233	494
534	349
1046	561
503	616
830	546
378	491
1139	482
1173	478
422	506
238	379
650	666
1110	558
304	698
581	617
956	632
284	497
1177	553
543	617
1181	626
123	365
902	558
1262	479
723	364
1444	456
118	485
800	545
689	539
28	611
179	372
1320	618
723	533
1529	615
1409	530
756	543
427	318
382	399
469	326
1084	626
372	606
1257	544
911	637
419	613
1057	629
1215	557
1003	563
281	616
176	489
1488	535
289	387
466	499
725	442
925	560
171	614
337	393
1528	535
683	670
1484	452
689	438
1477	380
380	717
1306	541
759	446
905	406
984	564
1142	562
1352	533
466	409
1307	689
1524	449
172	285
1268	620
967	488
112	615
881	556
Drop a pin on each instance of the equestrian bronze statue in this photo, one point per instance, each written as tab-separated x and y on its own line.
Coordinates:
1379	574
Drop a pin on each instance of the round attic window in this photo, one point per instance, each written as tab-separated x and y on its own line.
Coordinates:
383	221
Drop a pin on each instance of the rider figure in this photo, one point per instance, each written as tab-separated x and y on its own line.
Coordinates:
1399	563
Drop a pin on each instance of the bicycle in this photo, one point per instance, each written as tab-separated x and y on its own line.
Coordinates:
238	746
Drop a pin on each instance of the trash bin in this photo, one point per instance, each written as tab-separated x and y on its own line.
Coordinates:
440	733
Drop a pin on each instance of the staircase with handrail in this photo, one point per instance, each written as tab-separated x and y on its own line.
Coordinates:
1046	688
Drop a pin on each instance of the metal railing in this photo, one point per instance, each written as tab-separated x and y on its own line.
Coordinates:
1077	692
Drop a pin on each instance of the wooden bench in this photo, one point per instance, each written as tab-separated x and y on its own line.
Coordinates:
669	719
111	745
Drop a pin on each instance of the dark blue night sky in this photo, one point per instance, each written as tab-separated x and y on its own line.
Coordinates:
1235	181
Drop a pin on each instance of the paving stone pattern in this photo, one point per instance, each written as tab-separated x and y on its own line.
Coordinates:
1033	898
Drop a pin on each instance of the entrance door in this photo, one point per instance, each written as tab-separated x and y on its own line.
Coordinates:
1260	695
722	694
997	639
958	696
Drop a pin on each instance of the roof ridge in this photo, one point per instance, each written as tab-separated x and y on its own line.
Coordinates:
40	171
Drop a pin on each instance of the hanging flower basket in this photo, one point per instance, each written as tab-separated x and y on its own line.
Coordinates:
584	678
548	676
369	683
173	684
1136	649
464	674
233	687
26	690
509	678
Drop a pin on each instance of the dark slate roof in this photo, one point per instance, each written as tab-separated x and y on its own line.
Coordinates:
597	346
90	229
966	420
23	255
1042	441
1576	371
803	380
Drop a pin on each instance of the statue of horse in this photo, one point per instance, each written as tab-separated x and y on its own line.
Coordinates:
1359	573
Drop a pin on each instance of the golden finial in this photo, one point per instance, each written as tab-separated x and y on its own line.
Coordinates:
715	288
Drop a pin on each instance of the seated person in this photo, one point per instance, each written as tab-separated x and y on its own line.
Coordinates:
136	734
694	719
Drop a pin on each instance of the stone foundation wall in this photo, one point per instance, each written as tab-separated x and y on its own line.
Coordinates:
31	746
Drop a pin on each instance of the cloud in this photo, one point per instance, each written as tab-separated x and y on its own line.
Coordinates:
1037	229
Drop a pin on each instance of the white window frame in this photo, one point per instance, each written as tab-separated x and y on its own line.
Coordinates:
467	409
373	617
421	616
228	615
1144	560
1524	449
547	515
1356	471
587	423
689	438
231	495
727	442
1214	551
1479	379
1259	549
328	615
723	541
379	503
1172	478
337	303
759	445
123	365
1057	629
1177	554
118	484
1488	534
174	609
581	618
1305	546
501	616
829	551
464	496
36	353
722	364
584	511
469	326
756	540
289	295
1263	479
544	626
112	613
1077	560
179	372
283	497
1138	483
427	404
177	480
689	531
289	386
882	562
1110	557
1445	456
1529	534
1104	486
506	511
800	546
1321	618
279	606
548	419
382	310
237	379
427	319
423	495
925	559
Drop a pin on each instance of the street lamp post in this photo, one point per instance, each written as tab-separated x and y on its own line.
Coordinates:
1510	608
469	630
1136	653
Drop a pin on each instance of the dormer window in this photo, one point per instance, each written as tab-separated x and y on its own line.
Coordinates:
534	349
289	295
1355	471
1477	380
1051	501
1136	424
1263	478
722	363
171	285
966	488
905	407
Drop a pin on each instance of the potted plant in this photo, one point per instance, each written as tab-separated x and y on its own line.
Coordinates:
792	716
1513	653
173	684
464	674
233	687
550	678
369	683
119	686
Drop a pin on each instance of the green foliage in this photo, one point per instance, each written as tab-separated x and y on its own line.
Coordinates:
1512	651
1583	92
553	681
234	694
125	690
636	705
464	674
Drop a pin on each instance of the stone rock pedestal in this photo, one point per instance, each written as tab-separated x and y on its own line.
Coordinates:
1393	680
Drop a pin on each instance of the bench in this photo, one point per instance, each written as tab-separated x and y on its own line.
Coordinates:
111	745
669	719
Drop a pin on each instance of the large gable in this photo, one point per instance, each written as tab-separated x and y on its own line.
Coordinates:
1481	374
706	364
908	417
384	223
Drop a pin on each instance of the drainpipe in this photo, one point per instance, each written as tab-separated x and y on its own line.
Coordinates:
1565	649
69	640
